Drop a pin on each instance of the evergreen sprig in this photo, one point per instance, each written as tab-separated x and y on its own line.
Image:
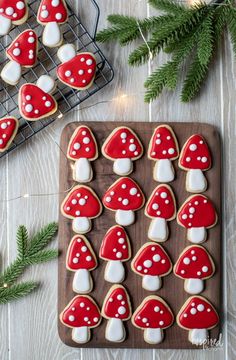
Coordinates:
189	34
29	252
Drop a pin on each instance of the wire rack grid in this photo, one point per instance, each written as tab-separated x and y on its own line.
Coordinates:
74	32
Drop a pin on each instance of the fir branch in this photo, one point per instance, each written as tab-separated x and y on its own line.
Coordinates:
169	6
232	28
40	257
42	239
12	272
17	291
206	39
22	240
222	14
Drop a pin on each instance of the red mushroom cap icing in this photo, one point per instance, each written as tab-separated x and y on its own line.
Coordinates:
197	211
82	144
197	313
81	202
8	129
115	245
14	10
124	194
24	48
152	260
194	263
79	72
81	311
163	144
117	304
195	154
35	103
80	254
123	143
161	203
52	11
153	313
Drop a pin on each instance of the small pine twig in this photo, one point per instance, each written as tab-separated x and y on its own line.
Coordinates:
17	291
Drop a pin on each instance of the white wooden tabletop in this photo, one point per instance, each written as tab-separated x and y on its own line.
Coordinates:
28	328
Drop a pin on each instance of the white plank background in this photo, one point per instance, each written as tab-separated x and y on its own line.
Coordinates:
28	328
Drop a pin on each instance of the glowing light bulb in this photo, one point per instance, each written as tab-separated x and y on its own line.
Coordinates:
26	196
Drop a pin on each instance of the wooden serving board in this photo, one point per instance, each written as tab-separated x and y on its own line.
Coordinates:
173	288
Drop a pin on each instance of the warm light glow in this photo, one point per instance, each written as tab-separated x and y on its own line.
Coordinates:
26	196
123	96
60	116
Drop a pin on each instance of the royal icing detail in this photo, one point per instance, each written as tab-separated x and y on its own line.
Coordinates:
151	262
8	130
23	49
195	154
122	146
163	148
82	313
12	11
197	214
124	197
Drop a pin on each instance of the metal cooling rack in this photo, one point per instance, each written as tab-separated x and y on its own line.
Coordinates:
74	32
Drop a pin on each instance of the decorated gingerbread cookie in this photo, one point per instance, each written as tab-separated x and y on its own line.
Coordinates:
52	14
12	12
197	214
163	149
161	207
115	249
197	315
81	205
153	316
8	130
81	315
195	158
123	147
35	101
116	308
194	265
77	70
124	197
82	149
81	259
152	263
22	53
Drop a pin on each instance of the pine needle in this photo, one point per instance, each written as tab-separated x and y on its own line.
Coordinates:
169	6
17	291
206	39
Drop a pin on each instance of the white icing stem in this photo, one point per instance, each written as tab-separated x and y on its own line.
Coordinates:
82	282
11	73
164	171
82	171
153	336
81	225
198	336
151	283
115	330
123	166
193	286
114	272
51	35
66	52
196	181
124	217
5	25
158	230
196	235
46	83
81	335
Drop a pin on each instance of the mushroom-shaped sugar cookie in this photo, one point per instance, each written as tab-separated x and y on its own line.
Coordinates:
77	70
51	14
198	316
160	208
151	262
197	214
8	130
12	12
22	53
194	265
153	316
81	314
163	149
81	205
116	308
115	249
123	147
82	149
81	259
124	197
195	158
35	101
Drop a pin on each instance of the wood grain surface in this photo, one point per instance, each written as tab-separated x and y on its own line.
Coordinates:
172	290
